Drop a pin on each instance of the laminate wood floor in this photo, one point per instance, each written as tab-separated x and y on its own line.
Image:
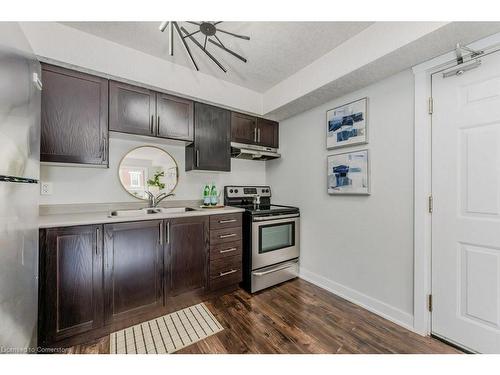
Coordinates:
298	317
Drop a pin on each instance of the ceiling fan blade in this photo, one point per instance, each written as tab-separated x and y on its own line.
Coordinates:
227	50
204	50
194	23
163	26
186	47
233	34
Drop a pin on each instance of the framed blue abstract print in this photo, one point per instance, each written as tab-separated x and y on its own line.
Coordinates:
348	173
347	125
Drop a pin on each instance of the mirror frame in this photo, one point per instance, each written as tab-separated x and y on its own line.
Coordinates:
151	146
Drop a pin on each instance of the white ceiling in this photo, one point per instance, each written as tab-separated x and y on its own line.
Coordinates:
275	50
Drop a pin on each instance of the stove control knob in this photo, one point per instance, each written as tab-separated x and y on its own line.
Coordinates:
236	191
230	190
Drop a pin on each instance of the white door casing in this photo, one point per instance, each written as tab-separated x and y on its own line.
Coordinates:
466	207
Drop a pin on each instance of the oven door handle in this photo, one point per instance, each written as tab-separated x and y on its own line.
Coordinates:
282	267
277	217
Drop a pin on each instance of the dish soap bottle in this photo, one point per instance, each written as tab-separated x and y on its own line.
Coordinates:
214	198
206	195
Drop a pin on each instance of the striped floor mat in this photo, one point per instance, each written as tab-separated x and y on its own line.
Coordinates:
166	334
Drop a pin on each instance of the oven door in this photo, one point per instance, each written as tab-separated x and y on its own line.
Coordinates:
274	240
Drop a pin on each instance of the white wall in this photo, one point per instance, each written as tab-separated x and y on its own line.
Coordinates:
357	246
100	185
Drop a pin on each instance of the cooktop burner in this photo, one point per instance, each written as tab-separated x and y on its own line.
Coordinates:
267	208
256	200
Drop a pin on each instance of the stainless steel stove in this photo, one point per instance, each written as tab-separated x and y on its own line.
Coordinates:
271	236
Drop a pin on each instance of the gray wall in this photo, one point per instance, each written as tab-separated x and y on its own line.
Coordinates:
358	246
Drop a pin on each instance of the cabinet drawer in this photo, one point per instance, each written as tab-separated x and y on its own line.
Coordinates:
227	280
221	236
225	250
225	221
224	266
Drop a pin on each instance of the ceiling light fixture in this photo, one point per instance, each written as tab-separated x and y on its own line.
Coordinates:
207	29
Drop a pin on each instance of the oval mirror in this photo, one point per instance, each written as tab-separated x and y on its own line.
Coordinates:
148	168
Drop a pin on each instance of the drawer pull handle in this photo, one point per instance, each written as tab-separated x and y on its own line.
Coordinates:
227	273
228	250
227	221
227	235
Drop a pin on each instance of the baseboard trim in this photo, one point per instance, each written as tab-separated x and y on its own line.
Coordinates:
371	304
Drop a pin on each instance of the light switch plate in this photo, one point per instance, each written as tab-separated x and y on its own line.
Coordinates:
46	188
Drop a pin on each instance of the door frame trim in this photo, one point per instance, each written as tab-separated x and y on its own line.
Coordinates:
422	178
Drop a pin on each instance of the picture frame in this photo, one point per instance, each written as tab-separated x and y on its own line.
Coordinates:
347	125
348	173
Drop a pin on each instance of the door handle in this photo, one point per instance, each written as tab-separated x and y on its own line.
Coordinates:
151	124
227	235
197	158
227	273
228	250
161	232
104	148
258	135
168	231
158	124
96	240
255	134
227	221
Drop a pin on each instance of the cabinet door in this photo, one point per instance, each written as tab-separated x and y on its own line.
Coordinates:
133	269
268	134
174	117
211	149
131	109
70	281
187	249
74	117
243	128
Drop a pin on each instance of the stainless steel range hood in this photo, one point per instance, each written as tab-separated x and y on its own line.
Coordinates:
253	152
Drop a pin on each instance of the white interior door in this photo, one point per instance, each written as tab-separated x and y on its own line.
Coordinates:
466	216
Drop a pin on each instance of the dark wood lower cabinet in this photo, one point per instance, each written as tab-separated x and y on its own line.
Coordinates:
187	249
133	269
70	282
96	279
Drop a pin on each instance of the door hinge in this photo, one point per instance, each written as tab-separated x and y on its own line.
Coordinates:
431	204
429	302
431	106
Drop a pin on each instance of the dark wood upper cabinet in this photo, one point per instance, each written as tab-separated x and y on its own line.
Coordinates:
268	133
133	269
132	109
74	117
211	149
254	130
174	117
70	281
243	128
187	251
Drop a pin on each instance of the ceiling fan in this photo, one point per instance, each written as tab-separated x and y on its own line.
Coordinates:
207	29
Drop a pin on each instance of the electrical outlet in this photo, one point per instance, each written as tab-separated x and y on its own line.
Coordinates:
46	188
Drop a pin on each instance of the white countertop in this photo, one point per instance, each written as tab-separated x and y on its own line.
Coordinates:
86	218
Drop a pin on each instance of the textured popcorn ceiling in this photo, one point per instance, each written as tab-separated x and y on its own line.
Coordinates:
432	45
275	51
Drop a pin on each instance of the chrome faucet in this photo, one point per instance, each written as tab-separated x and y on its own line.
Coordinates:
153	200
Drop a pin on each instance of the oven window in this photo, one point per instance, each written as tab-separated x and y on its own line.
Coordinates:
276	236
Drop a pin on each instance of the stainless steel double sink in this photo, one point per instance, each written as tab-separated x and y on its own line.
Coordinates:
150	211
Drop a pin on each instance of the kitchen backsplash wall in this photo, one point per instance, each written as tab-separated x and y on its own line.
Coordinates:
71	184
